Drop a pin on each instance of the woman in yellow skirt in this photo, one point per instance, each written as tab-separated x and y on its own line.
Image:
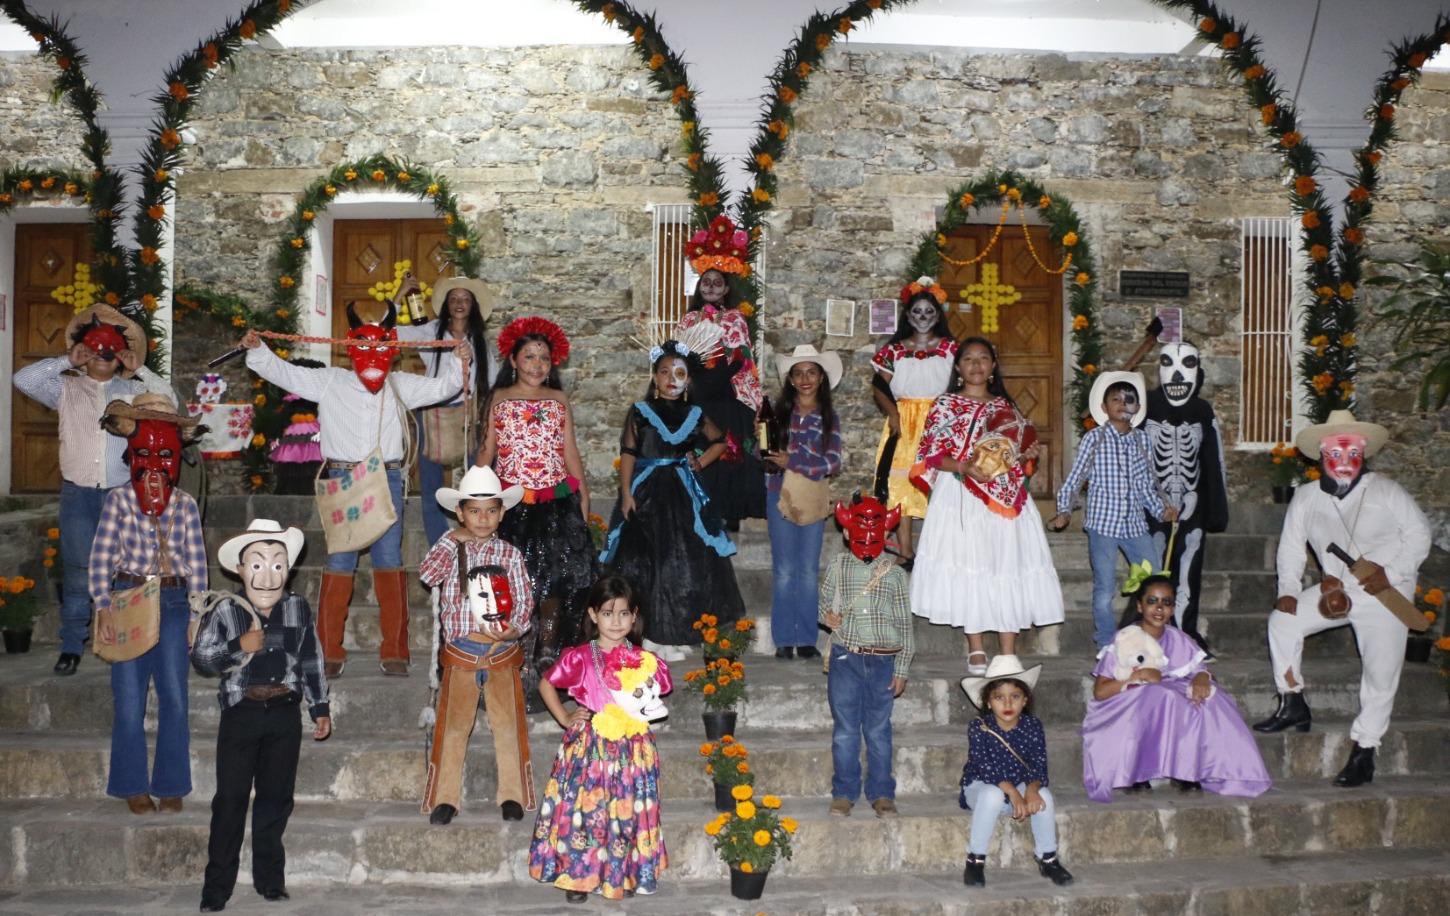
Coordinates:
912	369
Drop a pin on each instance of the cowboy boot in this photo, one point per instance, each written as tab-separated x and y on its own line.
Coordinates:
332	603
391	587
1359	770
1293	712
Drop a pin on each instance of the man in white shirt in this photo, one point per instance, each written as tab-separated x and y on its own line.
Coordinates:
358	411
1365	516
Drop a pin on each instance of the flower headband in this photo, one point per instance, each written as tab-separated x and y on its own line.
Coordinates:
532	325
1138	574
924	284
627	667
677	348
721	247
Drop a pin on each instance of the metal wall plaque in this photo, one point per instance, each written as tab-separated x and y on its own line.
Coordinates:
1153	284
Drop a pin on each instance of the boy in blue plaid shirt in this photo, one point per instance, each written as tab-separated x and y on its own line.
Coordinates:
1113	460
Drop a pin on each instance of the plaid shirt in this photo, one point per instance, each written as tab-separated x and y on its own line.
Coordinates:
289	629
439	570
126	541
1121	486
879	618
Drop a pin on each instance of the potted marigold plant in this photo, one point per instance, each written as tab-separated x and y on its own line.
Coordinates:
750	839
1286	469
18	609
1430	602
721	684
730	641
728	766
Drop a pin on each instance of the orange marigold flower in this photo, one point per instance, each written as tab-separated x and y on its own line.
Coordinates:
211	54
708	690
71	187
1254	72
47	182
1304	185
1207	24
760	195
52	533
1354	235
607	11
1312	473
379	175
707	749
1325	293
803	69
149	256
1359	194
284	5
404	176
1435	597
692	161
282	313
5	198
238	322
823	41
1080	323
1387	112
148	302
728	739
1267	113
257	481
1291	139
308	216
742	768
1082	278
656	61
248	29
1443	643
286	282
1069	240
638	34
1310	219
779	128
1089	369
765	160
845	25
156	211
63	62
1231	40
725	644
330	190
743	625
260	400
177	90
1044	202
1346	291
350	175
170	138
1401	84
874	4
681	93
1417	60
1322	381
25	184
787	94
709	199
1318	252
746	309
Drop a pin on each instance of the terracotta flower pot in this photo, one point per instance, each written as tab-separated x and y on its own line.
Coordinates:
747	885
718	723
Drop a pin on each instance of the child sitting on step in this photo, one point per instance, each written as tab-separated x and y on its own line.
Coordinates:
1006	770
598	829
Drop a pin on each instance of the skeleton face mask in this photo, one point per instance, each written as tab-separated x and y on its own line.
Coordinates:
1341	457
490	598
154	452
264	573
922	316
629	675
1178	367
866	522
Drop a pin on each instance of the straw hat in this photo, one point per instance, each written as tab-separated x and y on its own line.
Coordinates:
1100	390
830	363
121	414
229	555
1002	666
1341	423
135	337
481	294
479	483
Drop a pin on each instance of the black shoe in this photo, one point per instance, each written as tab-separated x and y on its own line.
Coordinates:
67	663
1144	786
274	894
807	652
908	564
785	652
1293	712
1187	785
1359	770
575	896
442	814
975	874
1051	867
512	811
213	906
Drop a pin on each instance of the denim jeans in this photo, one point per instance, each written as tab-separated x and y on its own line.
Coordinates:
165	663
988	803
859	689
795	564
1103	553
387	551
430	478
80	513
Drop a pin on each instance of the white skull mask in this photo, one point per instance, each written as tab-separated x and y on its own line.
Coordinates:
643	702
638	690
1178	368
490	599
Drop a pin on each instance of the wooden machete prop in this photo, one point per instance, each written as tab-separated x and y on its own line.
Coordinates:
1391	598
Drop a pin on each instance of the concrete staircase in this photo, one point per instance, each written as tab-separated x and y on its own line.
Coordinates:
358	839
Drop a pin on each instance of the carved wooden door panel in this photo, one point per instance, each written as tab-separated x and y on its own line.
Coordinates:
363	253
46	255
1008	299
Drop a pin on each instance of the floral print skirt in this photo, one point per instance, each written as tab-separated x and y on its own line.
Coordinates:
598	828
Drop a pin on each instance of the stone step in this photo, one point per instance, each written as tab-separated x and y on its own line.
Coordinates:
352	767
783	696
52	843
1372	881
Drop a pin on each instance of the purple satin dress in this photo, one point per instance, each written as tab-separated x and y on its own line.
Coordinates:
1154	731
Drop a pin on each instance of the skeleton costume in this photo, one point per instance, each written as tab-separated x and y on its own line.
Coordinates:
1185	452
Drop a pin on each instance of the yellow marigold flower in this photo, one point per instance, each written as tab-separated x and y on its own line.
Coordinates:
742	792
404	176
308	216
966	200
330	190
760	195
788	824
713	828
771	801
297	242
746	867
761	837
1044	202
1069	240
745	810
350	175
1082	278
687	127
259	440
1346	290
461	244
1080	322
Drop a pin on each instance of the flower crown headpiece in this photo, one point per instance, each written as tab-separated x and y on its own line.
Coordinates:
924	284
1138	574
676	348
627	667
722	247
533	324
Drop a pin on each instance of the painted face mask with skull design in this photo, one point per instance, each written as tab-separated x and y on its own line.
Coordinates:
632	677
1178	372
866	522
490	598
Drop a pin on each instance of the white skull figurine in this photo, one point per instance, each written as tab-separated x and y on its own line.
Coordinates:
1178	367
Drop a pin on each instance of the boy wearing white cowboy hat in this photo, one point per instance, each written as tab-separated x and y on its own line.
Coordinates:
263	645
106	360
1351	512
484	604
1112	459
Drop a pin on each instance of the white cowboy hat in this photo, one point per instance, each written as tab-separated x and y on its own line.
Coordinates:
479	483
1100	389
1341	423
1001	667
229	555
481	294
830	363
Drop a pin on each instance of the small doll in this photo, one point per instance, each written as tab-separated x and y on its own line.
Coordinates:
1135	649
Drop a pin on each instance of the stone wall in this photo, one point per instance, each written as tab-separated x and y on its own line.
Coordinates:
1160	156
38	132
1413	207
554	153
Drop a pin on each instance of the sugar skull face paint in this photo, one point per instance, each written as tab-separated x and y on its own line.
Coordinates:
922	316
672	377
154	452
713	287
866	522
1341	458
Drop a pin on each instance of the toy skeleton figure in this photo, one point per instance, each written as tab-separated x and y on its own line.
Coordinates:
1187	460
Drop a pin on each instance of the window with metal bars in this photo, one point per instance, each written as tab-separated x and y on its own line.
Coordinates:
673	280
1269	314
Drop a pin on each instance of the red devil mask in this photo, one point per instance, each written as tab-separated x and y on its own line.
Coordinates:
490	599
866	522
154	450
105	340
372	358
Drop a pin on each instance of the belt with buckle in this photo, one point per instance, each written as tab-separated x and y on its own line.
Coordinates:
334	465
265	692
131	580
872	650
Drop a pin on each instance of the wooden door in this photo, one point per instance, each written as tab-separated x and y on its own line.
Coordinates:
46	256
364	252
1010	300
